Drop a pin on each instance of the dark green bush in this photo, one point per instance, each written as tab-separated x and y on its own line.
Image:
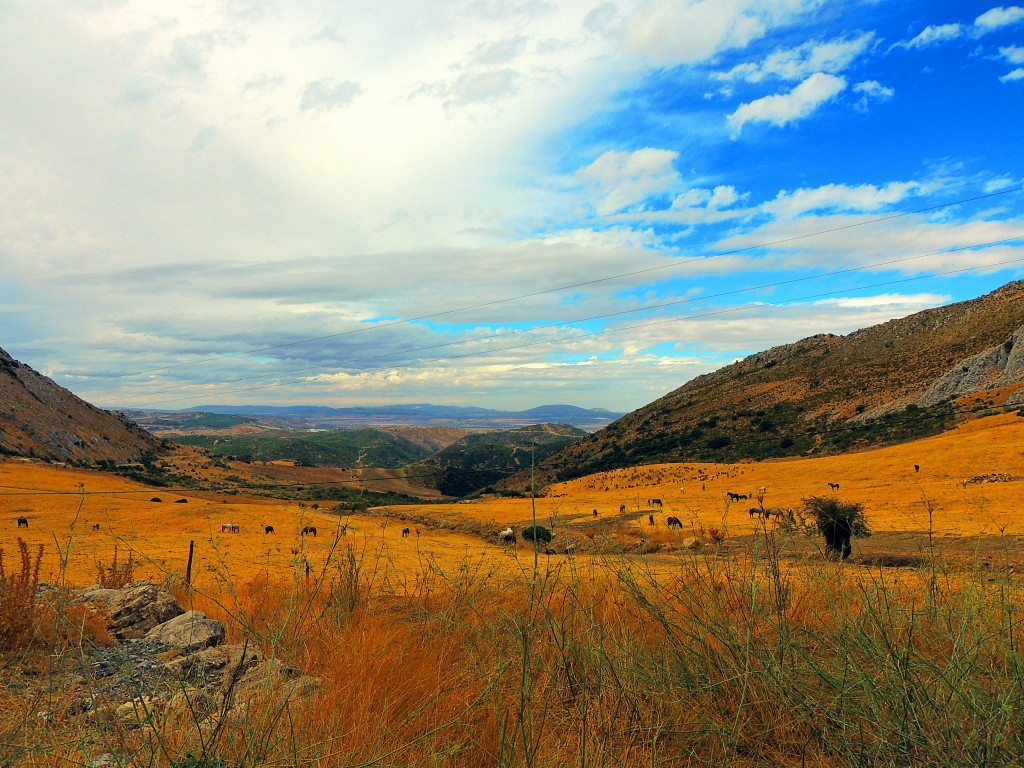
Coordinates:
837	521
538	532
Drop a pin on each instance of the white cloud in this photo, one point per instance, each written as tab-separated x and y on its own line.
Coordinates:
624	179
668	32
998	17
871	91
840	197
1000	182
1013	54
991	20
327	95
721	196
925	245
1013	76
933	35
781	109
905	302
793	64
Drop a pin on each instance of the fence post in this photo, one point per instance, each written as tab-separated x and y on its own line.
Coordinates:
188	568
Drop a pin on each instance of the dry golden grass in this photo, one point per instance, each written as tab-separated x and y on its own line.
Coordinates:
159	533
883	480
444	649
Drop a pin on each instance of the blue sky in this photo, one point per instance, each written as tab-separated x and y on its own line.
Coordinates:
474	202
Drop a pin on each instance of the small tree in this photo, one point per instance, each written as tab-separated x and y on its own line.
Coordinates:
838	522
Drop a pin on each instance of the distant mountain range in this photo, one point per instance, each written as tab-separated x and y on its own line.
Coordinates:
888	383
323	417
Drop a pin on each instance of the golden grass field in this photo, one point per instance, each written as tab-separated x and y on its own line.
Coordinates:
894	494
444	649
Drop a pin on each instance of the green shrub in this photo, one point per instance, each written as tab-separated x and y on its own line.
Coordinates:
837	521
538	533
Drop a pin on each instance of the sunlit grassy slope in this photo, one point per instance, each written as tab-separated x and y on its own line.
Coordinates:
885	481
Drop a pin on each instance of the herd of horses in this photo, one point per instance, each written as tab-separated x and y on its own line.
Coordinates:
508	536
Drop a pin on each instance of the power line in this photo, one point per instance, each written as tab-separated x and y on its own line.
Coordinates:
608	331
571	286
603	316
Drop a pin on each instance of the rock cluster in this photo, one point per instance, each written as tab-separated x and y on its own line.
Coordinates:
995	477
170	667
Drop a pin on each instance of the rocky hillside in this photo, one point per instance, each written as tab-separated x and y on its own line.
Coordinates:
38	418
483	459
900	380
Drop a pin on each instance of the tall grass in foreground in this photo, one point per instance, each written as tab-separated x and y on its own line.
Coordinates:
702	660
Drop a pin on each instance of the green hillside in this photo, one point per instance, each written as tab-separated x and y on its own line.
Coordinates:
481	460
334	448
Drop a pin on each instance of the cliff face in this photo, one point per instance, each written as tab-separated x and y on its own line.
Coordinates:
895	381
41	419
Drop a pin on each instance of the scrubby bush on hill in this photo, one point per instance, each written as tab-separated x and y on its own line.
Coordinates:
838	522
538	533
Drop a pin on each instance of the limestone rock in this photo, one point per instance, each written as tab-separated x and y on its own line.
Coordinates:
222	658
135	713
189	631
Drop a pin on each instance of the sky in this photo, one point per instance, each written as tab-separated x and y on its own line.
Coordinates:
500	203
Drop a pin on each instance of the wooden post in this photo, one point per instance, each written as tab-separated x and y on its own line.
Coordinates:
188	568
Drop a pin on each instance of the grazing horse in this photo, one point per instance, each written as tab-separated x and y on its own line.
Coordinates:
759	511
673	522
268	529
405	532
595	513
23	522
650	519
732	496
654	503
508	536
311	530
622	509
229	528
917	467
834	486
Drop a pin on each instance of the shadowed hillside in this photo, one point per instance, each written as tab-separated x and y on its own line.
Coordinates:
41	419
480	460
334	448
888	383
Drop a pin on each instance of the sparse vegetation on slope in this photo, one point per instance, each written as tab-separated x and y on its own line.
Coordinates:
481	460
40	419
334	448
893	382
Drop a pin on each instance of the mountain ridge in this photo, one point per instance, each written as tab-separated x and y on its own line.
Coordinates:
894	381
41	419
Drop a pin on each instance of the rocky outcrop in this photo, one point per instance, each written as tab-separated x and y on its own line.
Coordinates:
996	367
136	609
41	419
171	670
189	632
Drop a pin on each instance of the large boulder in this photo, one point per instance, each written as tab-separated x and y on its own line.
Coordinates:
135	609
188	631
223	659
